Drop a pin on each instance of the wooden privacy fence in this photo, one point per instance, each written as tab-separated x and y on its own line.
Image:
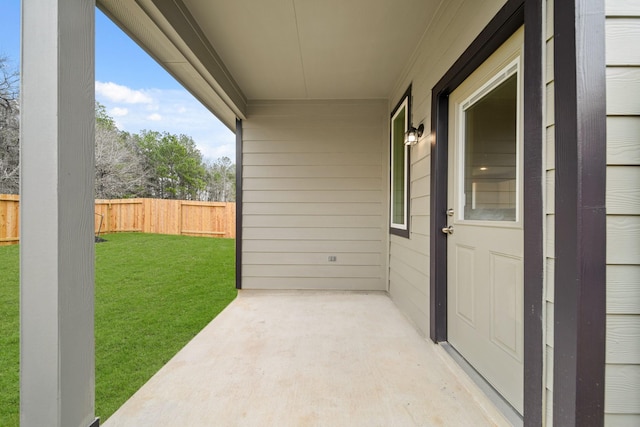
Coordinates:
210	219
207	219
9	219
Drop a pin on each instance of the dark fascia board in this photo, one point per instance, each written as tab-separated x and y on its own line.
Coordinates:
125	14
238	204
178	16
514	14
580	217
397	231
173	14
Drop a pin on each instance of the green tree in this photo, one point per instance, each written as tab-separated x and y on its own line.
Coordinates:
174	165
104	120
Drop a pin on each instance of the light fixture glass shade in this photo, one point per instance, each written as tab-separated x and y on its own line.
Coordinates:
413	135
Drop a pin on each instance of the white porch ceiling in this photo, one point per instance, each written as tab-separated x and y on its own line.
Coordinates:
309	49
230	52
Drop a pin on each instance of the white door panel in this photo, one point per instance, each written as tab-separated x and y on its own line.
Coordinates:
485	250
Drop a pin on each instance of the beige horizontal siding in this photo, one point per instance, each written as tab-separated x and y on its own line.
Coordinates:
309	221
365	158
309	283
262	138
313	246
623	339
314	188
623	235
621	34
311	258
549	274
337	183
550	237
318	196
622	198
550	180
279	111
622	140
549	112
623	290
312	233
615	8
315	143
550	147
622	387
622	420
622	83
309	270
549	408
314	172
549	324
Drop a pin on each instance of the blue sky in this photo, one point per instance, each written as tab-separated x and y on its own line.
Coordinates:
138	93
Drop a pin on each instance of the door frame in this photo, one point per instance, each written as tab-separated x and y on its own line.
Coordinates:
512	16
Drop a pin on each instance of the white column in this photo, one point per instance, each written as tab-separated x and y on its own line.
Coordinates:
57	379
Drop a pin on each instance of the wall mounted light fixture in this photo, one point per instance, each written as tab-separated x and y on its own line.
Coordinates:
413	135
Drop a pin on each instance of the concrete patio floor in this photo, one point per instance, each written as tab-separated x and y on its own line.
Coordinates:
306	358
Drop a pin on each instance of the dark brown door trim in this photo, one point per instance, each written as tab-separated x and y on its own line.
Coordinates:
512	16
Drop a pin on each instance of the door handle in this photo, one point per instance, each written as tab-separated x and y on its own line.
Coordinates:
448	230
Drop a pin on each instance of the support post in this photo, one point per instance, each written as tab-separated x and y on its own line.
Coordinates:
580	220
239	196
57	377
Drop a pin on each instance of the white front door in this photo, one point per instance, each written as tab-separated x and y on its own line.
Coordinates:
485	233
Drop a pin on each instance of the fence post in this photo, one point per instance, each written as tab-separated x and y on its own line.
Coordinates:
109	217
180	218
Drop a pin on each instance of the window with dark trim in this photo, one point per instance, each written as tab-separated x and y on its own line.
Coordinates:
400	167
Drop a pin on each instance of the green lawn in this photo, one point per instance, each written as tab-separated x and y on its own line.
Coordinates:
153	294
9	335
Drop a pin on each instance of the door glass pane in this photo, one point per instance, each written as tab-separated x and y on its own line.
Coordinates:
490	155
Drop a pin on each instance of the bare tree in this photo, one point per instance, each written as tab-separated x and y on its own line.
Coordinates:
119	169
221	181
9	129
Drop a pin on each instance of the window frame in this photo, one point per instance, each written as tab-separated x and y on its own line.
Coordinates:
400	229
504	73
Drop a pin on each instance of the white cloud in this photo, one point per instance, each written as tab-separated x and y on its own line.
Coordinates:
216	151
173	111
118	112
122	94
